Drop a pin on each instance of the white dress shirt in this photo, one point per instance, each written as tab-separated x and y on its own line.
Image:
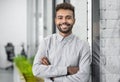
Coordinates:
62	53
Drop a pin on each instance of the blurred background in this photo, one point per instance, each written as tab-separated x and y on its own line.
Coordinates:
23	23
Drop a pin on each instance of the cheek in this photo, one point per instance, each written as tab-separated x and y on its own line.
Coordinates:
71	21
56	22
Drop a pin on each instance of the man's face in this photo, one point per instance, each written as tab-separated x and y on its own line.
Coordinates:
64	20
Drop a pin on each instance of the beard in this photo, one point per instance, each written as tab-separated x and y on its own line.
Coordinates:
66	30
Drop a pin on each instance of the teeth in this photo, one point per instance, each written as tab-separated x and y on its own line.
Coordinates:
64	25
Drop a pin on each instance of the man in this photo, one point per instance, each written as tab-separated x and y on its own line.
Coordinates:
63	57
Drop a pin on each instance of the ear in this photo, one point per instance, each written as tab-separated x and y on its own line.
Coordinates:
74	21
55	20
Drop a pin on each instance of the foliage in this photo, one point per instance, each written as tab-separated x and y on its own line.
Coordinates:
23	64
25	67
31	59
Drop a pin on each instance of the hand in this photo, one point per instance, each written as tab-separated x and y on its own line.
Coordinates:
45	61
72	70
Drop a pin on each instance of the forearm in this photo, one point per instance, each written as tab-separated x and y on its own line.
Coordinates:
77	77
52	71
80	76
40	70
83	75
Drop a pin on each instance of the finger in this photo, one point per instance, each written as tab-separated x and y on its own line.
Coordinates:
45	61
77	68
42	61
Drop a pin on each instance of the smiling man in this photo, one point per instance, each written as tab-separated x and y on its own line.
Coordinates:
63	57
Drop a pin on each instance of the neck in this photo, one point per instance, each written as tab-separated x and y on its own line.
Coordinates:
65	34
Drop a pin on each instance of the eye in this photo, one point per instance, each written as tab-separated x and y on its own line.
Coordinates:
59	17
68	17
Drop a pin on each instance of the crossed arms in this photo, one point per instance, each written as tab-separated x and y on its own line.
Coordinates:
43	68
70	70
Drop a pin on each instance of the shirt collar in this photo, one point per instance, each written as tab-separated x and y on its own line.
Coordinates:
61	38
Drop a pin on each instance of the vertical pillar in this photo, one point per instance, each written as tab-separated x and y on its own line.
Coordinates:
110	40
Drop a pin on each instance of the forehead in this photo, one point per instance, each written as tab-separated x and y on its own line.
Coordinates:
64	12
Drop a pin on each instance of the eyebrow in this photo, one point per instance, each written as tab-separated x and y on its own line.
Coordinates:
65	16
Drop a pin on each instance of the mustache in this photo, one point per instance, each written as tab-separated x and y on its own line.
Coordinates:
65	24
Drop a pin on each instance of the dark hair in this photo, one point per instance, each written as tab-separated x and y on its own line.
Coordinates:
66	6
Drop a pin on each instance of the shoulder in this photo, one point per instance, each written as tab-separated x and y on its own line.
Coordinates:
50	36
81	42
47	38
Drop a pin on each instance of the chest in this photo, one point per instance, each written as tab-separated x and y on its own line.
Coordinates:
64	54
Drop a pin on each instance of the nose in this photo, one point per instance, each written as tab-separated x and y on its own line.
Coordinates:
64	20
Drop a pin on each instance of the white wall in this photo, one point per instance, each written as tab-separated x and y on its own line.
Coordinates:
110	40
12	23
81	24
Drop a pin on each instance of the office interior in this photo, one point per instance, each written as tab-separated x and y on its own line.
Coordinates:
23	23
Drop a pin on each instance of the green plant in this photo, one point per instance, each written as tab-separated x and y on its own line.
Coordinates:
31	59
25	67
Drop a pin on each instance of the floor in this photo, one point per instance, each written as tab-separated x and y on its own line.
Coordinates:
6	75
